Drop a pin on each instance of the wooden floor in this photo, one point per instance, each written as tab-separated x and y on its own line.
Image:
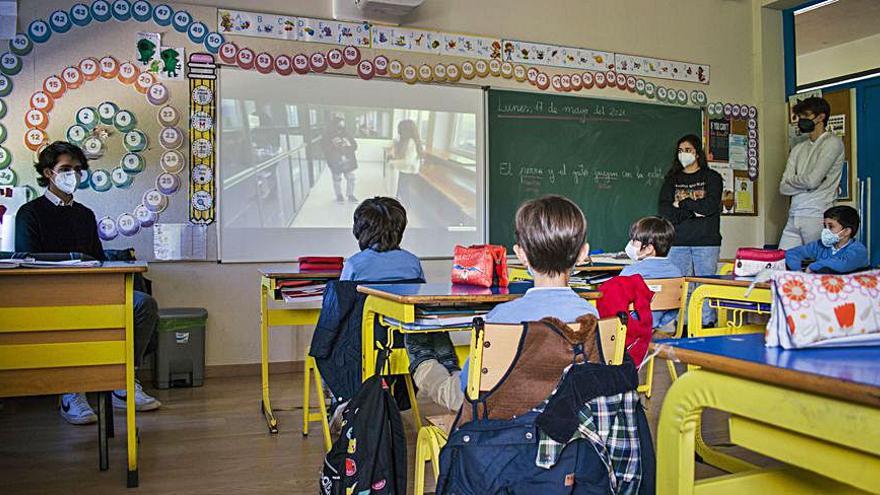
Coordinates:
205	440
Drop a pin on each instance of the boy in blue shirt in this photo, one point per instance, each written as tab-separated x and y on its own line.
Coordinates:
550	240
650	240
836	251
378	226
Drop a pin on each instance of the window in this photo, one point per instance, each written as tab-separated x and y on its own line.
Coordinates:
464	134
292	116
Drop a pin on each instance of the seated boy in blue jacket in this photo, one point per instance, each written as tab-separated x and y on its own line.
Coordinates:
650	240
837	251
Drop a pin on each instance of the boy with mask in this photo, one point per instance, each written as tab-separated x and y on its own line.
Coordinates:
54	223
650	240
837	251
812	174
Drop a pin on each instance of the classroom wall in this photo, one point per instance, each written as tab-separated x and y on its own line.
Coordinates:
839	60
728	34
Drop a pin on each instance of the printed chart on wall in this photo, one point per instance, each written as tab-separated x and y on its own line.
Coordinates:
732	151
609	156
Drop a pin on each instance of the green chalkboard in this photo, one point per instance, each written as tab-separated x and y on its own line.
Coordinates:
609	156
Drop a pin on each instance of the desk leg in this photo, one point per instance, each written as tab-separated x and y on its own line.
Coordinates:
840	451
130	425
265	405
368	339
104	410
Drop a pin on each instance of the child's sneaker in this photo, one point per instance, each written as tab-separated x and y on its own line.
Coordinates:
142	400
75	409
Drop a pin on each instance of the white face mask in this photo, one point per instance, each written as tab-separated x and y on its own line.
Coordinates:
686	158
632	251
66	182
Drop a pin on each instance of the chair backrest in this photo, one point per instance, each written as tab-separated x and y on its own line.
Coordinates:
494	348
667	293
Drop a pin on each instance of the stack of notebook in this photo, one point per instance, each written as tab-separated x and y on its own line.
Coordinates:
301	290
438	318
320	263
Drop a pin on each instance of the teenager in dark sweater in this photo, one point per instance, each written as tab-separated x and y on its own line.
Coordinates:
54	223
691	199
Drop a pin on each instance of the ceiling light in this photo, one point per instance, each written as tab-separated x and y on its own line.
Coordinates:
815	6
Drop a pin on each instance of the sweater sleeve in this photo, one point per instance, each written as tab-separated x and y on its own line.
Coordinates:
794	257
785	186
848	259
826	158
27	231
96	248
711	203
666	208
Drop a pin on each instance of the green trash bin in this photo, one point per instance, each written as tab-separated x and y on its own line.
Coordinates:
179	360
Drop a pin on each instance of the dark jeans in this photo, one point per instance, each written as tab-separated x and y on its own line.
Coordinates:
431	345
146	321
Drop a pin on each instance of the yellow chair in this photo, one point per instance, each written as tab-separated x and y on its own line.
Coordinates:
669	294
312	372
491	354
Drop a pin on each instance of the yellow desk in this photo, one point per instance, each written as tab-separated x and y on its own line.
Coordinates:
301	314
399	301
81	339
816	410
729	289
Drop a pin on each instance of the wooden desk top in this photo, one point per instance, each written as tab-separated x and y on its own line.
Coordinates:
439	293
293	272
726	280
106	267
848	373
591	267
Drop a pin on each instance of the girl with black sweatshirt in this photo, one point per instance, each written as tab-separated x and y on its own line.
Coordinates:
691	199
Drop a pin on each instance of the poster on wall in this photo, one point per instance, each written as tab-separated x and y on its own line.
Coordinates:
293	28
843	192
8	15
202	137
727	188
719	135
661	68
745	195
738	152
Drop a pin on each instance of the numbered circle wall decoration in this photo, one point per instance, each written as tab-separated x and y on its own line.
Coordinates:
93	128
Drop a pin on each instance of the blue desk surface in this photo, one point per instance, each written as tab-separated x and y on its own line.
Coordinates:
851	364
447	292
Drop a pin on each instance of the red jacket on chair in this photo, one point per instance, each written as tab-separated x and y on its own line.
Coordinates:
619	295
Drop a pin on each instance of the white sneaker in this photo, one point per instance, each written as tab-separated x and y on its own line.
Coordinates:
75	409
142	400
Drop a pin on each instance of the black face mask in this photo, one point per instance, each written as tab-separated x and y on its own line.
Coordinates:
806	125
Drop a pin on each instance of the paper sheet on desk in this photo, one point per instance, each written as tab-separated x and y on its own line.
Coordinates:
30	263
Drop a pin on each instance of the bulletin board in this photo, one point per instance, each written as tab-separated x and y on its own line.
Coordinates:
731	143
840	124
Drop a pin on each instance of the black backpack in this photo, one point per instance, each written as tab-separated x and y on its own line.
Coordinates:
370	453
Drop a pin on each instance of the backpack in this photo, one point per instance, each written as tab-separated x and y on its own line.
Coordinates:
370	453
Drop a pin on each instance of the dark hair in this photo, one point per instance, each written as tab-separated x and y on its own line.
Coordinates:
407	130
846	216
697	143
655	231
379	223
814	105
49	158
551	230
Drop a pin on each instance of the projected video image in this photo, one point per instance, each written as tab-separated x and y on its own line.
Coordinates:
306	165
